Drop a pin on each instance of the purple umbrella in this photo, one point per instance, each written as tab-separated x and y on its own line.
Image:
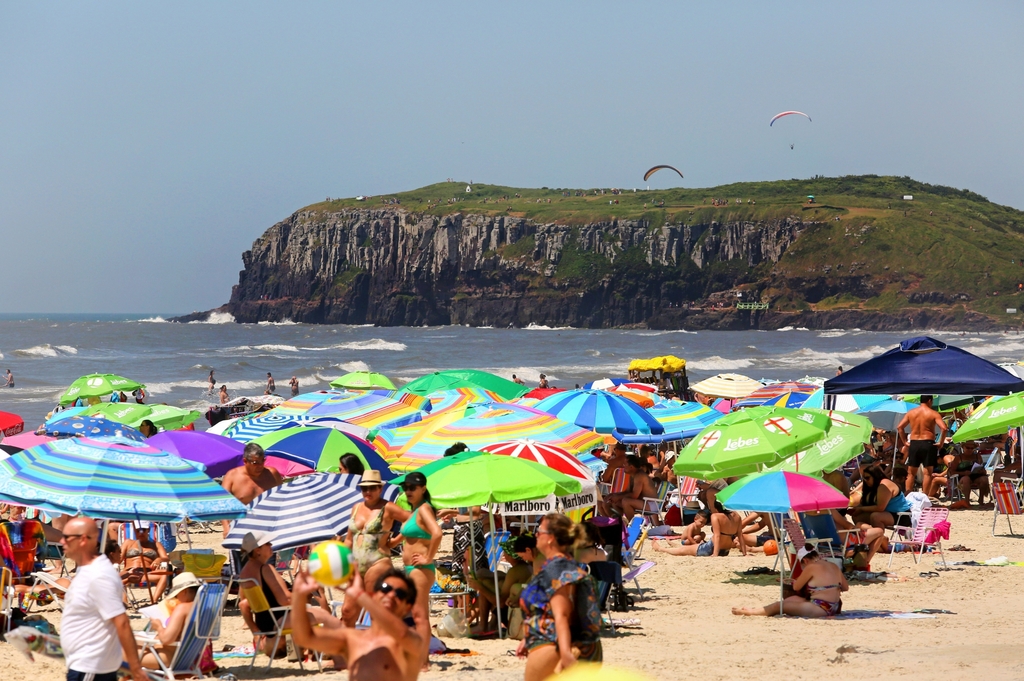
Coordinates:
219	454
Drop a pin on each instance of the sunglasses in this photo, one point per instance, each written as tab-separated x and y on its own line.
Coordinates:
400	593
66	537
255	461
409	488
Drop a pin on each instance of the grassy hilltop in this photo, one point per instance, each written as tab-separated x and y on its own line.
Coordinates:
952	247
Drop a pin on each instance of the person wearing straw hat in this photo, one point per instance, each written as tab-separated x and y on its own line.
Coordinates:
369	535
178	603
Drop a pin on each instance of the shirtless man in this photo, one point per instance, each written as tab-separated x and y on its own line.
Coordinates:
643	486
390	650
294	384
271	386
922	450
616	460
251	479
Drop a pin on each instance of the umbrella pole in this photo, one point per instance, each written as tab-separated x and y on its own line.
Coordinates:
497	589
782	571
145	570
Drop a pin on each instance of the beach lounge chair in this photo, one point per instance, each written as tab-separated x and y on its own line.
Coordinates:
822	529
636	535
492	544
620	483
8	597
202	627
687	490
49	582
607	574
1007	503
253	593
654	507
919	536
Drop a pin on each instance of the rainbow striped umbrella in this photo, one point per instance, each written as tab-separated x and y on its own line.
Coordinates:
601	411
372	408
769	393
248	429
441	400
321	449
478	426
300	404
106	480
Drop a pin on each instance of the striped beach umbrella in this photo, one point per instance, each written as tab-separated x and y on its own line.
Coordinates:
465	378
601	411
373	408
548	455
769	393
248	429
441	400
300	404
106	480
321	449
303	511
730	386
681	420
477	426
850	403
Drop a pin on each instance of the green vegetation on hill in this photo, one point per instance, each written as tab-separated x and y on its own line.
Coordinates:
866	247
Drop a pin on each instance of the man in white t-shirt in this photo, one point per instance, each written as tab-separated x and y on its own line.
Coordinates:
95	633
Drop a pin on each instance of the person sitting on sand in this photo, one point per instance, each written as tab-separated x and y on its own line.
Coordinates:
725	528
823	579
692	534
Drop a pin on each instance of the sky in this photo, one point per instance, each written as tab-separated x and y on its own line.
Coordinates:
145	146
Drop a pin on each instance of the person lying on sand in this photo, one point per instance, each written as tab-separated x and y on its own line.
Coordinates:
823	579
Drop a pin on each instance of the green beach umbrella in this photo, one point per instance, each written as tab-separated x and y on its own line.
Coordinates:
363	380
321	449
131	414
490	478
744	441
845	440
434	466
944	402
994	417
98	385
465	378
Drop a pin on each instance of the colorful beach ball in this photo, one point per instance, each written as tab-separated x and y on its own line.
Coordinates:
331	564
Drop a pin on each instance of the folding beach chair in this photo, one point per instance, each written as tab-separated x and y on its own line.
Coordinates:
202	627
636	534
1007	503
49	582
687	489
607	574
822	530
918	536
8	597
257	604
620	483
654	507
492	544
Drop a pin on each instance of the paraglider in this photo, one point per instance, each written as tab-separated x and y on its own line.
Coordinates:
655	169
787	113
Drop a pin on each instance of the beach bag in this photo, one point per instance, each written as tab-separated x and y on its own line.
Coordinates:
674	517
515	623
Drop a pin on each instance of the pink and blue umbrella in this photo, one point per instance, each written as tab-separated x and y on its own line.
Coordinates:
779	492
601	411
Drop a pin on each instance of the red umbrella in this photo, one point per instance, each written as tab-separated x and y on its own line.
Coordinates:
11	424
541	393
553	457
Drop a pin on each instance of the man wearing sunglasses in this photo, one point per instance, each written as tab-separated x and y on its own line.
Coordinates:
94	629
389	650
251	479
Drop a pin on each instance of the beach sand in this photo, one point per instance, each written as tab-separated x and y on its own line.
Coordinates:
686	629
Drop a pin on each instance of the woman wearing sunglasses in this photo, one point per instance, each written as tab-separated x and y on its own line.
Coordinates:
422	537
369	535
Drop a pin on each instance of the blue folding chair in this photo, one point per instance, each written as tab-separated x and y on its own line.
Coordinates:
202	627
821	531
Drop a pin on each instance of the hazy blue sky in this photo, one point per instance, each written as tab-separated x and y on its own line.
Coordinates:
144	147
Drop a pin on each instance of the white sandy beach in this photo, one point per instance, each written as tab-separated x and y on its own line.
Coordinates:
686	629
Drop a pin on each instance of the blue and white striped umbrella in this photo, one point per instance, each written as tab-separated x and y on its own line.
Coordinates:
601	411
681	420
247	430
304	510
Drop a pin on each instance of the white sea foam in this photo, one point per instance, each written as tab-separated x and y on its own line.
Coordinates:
273	347
283	322
349	367
834	333
785	328
217	318
154	320
593	353
373	344
543	327
802	328
716	363
47	350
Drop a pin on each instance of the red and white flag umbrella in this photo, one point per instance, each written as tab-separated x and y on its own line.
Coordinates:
553	457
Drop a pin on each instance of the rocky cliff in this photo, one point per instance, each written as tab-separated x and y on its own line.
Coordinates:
393	267
869	252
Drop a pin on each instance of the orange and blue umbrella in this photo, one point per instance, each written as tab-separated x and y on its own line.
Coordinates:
601	411
477	426
108	480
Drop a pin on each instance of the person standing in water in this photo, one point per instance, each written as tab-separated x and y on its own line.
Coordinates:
271	386
10	379
294	383
212	382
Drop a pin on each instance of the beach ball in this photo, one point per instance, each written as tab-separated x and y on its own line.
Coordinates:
771	548
331	564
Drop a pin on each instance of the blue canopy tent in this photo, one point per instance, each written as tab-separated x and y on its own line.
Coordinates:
927	366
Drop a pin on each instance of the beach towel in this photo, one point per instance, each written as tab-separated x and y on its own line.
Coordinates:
918	502
881	614
941	529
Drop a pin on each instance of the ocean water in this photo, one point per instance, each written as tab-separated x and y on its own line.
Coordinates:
46	353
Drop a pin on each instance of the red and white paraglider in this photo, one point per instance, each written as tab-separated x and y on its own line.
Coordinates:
787	113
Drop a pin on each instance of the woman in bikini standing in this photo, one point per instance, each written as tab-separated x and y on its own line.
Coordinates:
422	537
369	535
823	579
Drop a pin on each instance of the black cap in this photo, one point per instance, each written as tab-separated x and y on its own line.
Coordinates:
415	479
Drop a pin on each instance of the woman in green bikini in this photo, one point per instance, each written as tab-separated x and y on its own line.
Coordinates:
369	535
422	537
